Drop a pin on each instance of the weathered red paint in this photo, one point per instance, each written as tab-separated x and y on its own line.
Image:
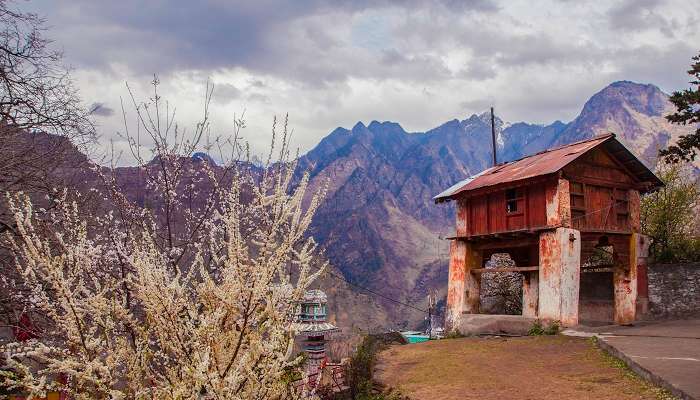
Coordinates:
634	210
530	294
566	200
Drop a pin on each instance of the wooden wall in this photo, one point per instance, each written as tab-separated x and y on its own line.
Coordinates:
603	198
488	213
600	193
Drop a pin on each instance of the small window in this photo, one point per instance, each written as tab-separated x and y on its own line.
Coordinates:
512	197
578	204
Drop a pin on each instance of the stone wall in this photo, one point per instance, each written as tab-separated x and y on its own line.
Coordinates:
674	290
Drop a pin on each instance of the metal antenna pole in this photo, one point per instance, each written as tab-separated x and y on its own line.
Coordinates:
493	137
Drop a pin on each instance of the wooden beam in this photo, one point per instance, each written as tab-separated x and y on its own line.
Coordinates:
514	269
513	243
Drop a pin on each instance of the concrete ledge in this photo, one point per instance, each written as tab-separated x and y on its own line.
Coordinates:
641	371
475	324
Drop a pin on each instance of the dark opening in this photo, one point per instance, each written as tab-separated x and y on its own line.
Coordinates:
512	200
596	293
501	292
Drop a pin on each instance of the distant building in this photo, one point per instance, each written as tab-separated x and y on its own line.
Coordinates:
569	219
313	329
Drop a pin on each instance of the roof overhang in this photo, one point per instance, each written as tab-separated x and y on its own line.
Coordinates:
552	161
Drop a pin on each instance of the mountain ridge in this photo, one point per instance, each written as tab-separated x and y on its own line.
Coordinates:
379	225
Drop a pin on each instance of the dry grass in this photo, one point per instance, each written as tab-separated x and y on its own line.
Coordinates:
545	367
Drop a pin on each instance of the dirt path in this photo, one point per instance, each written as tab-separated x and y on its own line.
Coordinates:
538	368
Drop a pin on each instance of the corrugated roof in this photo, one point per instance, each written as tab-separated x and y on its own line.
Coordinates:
548	162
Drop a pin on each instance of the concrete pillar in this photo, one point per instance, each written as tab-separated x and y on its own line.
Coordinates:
462	286
559	275
625	279
530	294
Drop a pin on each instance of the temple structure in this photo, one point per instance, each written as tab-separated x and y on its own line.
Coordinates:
313	329
569	218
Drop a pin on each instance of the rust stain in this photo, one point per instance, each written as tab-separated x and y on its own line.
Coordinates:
543	163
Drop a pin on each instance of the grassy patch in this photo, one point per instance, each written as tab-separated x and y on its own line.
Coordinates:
542	367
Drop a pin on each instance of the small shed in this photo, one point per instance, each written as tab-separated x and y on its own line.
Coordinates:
569	219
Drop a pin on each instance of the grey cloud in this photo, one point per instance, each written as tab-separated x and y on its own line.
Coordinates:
101	110
225	92
665	67
638	15
305	45
543	49
476	5
475	106
478	71
266	37
259	98
257	83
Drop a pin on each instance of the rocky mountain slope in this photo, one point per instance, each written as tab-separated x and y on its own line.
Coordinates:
379	225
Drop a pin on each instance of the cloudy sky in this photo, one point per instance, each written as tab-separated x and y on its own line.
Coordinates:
332	64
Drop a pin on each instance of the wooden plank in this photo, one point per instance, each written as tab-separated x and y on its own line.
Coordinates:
506	243
514	269
597	181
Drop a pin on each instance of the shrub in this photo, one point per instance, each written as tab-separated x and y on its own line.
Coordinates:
538	329
669	216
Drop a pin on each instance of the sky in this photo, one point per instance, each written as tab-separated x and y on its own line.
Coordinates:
333	63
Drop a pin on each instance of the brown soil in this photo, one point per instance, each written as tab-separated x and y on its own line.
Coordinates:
546	367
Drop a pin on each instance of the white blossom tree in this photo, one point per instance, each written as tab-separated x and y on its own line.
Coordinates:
175	299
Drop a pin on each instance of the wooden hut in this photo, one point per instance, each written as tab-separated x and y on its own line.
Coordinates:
569	218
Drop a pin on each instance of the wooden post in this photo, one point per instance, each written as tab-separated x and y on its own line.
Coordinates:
493	137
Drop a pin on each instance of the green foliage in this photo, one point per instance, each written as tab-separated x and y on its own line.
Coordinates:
687	104
292	373
553	328
360	370
537	329
669	216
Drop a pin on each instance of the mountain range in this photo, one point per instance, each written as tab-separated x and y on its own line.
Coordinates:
379	225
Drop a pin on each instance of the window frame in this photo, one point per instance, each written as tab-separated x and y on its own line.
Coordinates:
518	196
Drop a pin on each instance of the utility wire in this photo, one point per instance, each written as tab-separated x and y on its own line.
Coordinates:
375	293
342	278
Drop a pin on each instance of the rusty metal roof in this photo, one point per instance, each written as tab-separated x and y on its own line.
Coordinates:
548	162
